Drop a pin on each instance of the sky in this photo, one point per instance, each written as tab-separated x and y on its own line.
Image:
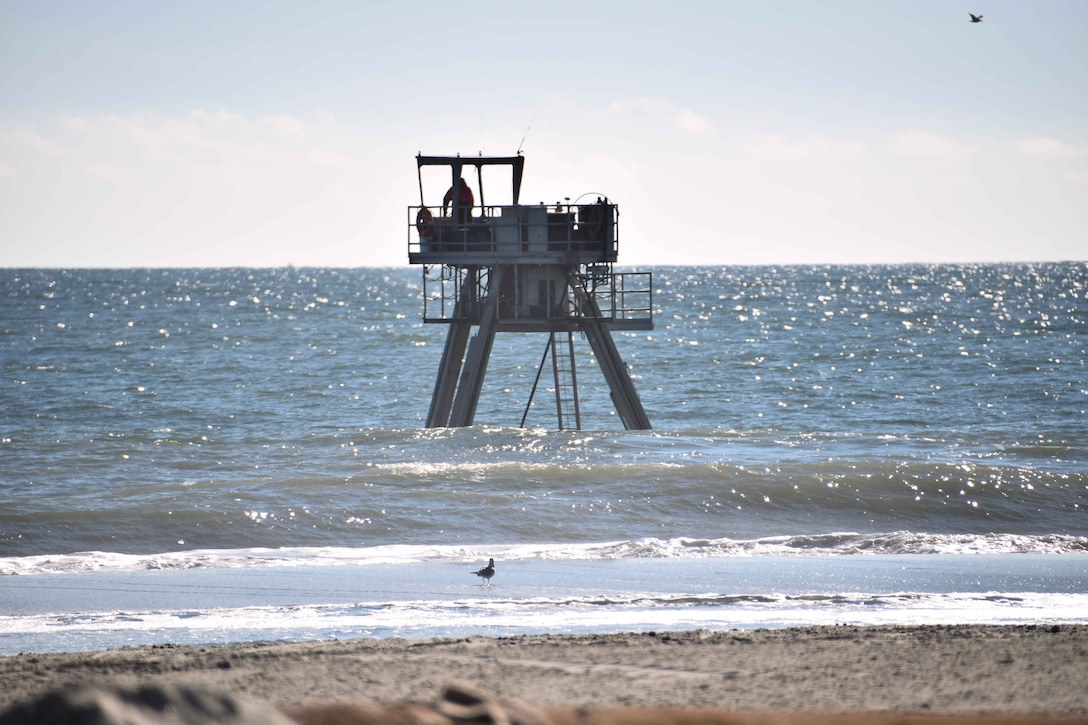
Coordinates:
143	134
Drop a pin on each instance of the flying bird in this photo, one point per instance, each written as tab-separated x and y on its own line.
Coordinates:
975	18
487	572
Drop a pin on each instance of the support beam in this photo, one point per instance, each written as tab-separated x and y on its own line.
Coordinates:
624	395
453	354
448	371
479	352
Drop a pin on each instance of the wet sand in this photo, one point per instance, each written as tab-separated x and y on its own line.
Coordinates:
926	669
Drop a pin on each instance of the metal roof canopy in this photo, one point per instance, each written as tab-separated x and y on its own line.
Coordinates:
457	163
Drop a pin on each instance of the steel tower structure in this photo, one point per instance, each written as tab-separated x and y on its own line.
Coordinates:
513	267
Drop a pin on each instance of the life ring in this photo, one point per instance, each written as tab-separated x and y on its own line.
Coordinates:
425	223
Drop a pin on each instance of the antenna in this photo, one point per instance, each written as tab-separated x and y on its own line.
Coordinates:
527	129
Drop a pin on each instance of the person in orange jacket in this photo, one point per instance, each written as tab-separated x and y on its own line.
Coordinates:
464	204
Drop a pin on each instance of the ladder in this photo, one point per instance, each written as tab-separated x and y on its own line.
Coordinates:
566	382
565	379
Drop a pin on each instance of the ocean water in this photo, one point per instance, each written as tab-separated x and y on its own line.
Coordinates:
220	455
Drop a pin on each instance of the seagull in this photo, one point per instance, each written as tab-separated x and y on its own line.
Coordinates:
487	572
975	18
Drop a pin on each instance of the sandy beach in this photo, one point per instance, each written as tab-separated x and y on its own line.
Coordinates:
926	669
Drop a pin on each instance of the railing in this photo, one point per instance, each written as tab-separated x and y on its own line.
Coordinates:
621	296
443	287
586	232
452	292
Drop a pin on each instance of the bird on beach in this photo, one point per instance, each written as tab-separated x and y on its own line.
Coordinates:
487	572
975	18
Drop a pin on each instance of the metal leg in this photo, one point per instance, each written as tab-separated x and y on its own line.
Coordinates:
479	351
450	368
454	353
624	396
